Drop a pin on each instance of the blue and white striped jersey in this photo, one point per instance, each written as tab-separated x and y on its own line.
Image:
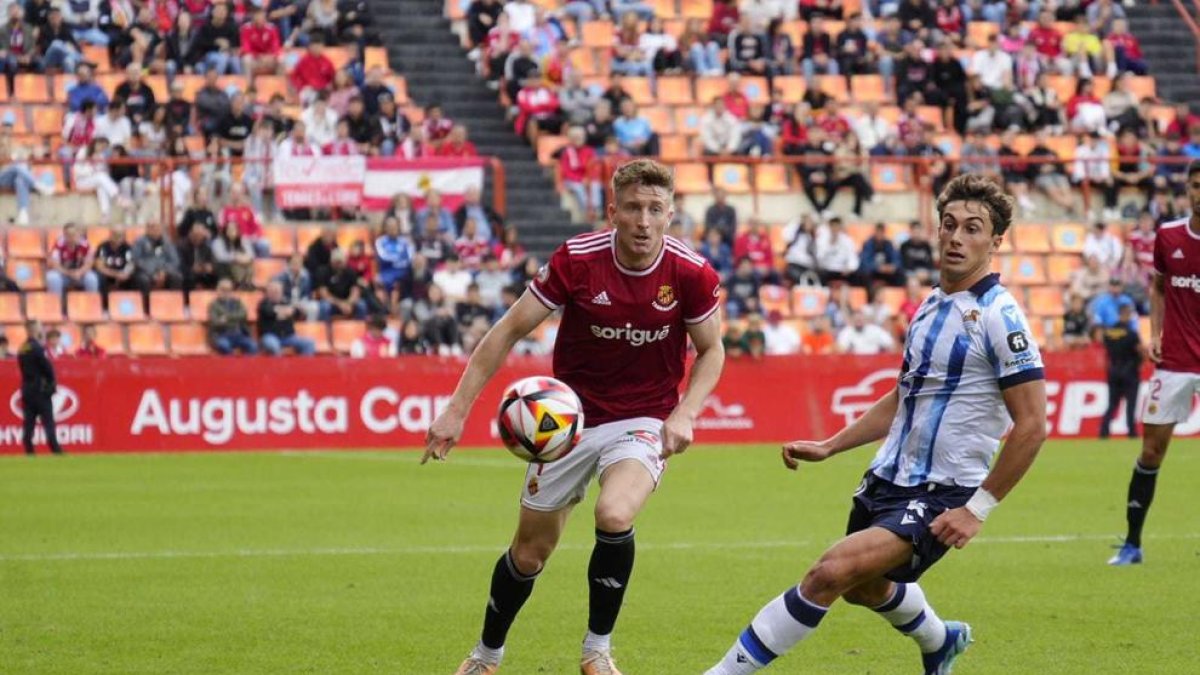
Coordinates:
963	350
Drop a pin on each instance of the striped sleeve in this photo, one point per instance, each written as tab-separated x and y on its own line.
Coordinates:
1017	358
703	296
551	286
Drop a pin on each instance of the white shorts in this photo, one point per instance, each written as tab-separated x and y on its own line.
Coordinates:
1169	399
552	486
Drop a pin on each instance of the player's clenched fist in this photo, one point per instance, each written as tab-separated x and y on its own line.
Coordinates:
804	451
677	435
443	434
955	527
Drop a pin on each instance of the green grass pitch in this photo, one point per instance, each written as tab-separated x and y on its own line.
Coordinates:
365	562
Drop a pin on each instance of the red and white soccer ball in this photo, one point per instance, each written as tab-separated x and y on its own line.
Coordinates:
541	419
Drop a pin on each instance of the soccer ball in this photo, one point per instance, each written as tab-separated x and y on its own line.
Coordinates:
540	419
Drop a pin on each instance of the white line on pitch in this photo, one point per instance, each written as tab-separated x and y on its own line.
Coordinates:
491	548
412	457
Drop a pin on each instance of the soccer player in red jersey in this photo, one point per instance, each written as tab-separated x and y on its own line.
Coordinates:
630	299
1175	350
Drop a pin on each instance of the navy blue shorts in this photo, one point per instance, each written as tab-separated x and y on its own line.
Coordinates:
907	512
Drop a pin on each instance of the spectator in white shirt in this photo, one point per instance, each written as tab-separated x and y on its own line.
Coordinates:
453	279
320	120
780	337
863	338
297	143
720	131
836	256
115	125
871	129
522	16
1093	165
1103	246
991	64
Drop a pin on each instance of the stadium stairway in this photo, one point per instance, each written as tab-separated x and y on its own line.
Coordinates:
422	47
1170	50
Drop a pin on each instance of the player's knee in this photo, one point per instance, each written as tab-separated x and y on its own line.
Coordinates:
531	556
825	578
614	517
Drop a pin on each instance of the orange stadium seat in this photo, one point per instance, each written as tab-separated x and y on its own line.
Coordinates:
111	336
84	307
1101	85
772	178
375	57
598	34
1031	238
16	335
188	339
675	90
29	274
867	89
692	178
281	239
860	233
892	297
98	55
733	178
45	306
147	339
891	177
349	234
792	87
198	302
660	118
664	9
687	120
345	333
708	88
809	301
10	310
674	147
1068	238
755	89
1024	270
250	299
317	332
1046	301
167	306
48	120
639	90
31	88
268	86
1063	85
26	243
266	269
585	62
695	9
978	32
306	235
1059	268
126	306
834	86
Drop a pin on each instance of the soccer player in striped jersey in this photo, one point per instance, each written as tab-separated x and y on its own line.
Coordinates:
970	365
1175	351
631	298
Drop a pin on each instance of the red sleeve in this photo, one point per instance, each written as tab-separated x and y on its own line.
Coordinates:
275	44
297	76
703	295
244	34
552	285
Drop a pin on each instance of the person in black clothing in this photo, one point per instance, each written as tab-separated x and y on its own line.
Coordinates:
471	308
114	264
363	128
948	85
319	253
722	217
138	97
816	51
916	255
481	18
747	49
816	174
218	40
197	262
236	126
853	55
1077	325
917	17
339	290
277	324
1124	349
37	389
913	74
601	126
198	214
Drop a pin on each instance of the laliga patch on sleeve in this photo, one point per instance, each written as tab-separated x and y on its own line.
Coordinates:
1018	341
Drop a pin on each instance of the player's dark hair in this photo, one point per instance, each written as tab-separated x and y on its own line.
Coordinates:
644	172
1193	168
975	188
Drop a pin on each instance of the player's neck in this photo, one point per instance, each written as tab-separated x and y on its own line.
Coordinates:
638	263
952	286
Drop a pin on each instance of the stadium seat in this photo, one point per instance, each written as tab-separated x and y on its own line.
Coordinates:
660	119
696	9
349	234
1063	85
1068	238
10	309
126	306
306	235
44	306
674	147
29	274
266	269
16	335
250	299
978	32
198	302
26	243
281	239
1046	301
111	336
48	121
1059	268
860	233
892	297
692	178
1024	270
167	306
32	88
733	178
868	89
809	301
792	87
639	90
188	339
755	89
687	120
891	177
147	339
317	332
775	299
675	91
834	86
772	178
84	307
664	9
598	34
1031	238
708	88
345	333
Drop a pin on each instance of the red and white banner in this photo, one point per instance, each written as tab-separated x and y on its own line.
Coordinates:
372	182
133	405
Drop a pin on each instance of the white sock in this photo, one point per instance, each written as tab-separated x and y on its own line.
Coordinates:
779	625
908	611
485	653
597	643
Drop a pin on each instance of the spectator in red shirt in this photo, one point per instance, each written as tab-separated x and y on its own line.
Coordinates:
313	72
470	247
723	20
261	45
70	264
436	126
539	110
1185	120
1047	41
90	349
736	101
754	244
577	174
362	262
1124	50
950	21
374	344
456	144
239	211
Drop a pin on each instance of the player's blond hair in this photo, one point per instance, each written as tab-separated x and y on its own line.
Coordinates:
644	172
975	188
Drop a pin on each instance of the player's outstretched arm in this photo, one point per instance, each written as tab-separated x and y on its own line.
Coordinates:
489	354
1156	317
706	370
1026	405
869	428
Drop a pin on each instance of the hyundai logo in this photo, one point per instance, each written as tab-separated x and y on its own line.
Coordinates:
66	403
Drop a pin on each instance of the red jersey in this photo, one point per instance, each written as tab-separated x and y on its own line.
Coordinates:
622	343
1127	42
71	256
246	221
1177	259
464	149
436	130
341	147
363	264
755	248
90	350
574	163
315	72
471	251
374	347
1142	244
260	40
1046	41
737	104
